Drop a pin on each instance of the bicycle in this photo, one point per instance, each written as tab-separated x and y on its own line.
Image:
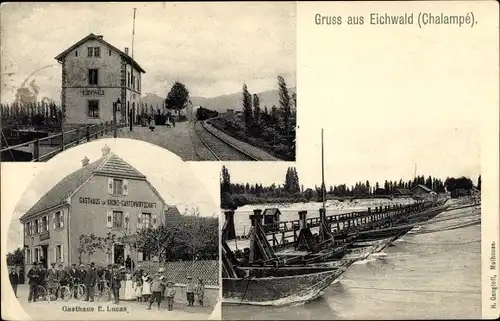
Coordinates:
98	295
72	290
41	293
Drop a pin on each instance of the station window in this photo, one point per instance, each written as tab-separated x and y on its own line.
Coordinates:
37	227
28	256
90	51
93	109
76	53
93	76
110	52
97	52
28	230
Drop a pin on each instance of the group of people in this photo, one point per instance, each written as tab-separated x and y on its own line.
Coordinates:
54	278
141	287
155	288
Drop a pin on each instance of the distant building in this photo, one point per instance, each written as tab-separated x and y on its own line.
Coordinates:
230	111
402	192
95	74
421	192
108	195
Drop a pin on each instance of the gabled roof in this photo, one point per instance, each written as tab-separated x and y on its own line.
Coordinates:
271	211
109	165
92	36
402	190
423	187
172	211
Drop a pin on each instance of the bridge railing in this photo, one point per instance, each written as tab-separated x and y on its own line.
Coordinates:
63	140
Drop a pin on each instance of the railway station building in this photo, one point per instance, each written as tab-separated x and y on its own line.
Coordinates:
107	195
95	76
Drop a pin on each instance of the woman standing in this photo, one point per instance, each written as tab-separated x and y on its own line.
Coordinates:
129	287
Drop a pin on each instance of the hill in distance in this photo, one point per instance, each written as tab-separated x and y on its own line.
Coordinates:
223	103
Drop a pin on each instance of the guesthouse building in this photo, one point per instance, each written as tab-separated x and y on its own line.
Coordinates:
107	195
95	76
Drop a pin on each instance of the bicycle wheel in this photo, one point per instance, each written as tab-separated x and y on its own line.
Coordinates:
80	292
42	293
52	294
65	293
105	293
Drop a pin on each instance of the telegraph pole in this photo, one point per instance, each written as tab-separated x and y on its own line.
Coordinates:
131	116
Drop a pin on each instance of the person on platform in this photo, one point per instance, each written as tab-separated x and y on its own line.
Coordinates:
116	279
200	291
90	282
152	124
34	279
156	286
190	291
169	295
14	280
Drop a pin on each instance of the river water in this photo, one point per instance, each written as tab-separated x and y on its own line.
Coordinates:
433	272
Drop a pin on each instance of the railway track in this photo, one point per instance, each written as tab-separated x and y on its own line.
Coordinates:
220	149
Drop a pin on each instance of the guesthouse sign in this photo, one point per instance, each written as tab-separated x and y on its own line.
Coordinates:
92	92
115	202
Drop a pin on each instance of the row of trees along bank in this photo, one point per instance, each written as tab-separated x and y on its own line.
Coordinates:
272	129
234	195
30	114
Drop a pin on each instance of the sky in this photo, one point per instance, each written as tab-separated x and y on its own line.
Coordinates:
176	181
389	97
210	47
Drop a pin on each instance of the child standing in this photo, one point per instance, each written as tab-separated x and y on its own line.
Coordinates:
156	289
138	289
169	295
200	291
190	290
146	288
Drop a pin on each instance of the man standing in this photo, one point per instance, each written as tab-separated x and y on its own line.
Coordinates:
52	281
33	276
116	283
128	263
90	282
14	279
190	289
74	275
63	278
107	277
